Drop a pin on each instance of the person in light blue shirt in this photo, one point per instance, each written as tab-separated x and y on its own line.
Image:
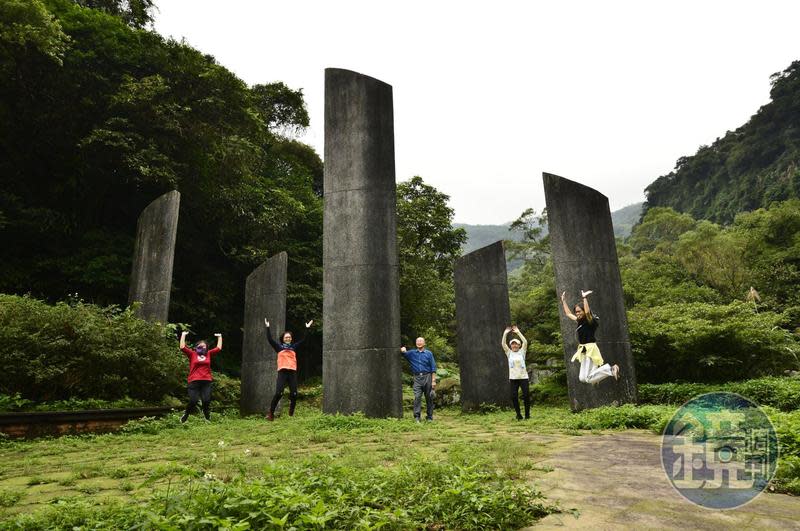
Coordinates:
423	367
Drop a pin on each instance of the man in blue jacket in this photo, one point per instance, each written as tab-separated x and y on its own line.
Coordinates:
423	367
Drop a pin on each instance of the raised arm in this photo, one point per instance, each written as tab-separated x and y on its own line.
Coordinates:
272	342
566	308
219	341
586	309
524	346
182	344
505	336
305	335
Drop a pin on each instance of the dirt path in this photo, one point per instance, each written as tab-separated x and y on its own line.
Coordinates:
615	481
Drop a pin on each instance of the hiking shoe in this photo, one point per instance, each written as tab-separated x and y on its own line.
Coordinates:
184	418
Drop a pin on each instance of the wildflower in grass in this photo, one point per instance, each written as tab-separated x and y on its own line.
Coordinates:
221	444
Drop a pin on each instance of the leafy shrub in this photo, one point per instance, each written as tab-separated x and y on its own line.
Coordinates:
9	498
63	351
316	494
780	393
550	390
227	392
621	417
709	342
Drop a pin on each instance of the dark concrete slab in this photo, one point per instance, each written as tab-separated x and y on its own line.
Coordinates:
361	303
265	297
153	257
482	313
585	257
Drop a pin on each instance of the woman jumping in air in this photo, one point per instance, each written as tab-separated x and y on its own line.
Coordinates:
199	374
287	368
593	369
517	374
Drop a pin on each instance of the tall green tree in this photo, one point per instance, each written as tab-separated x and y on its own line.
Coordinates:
107	117
428	246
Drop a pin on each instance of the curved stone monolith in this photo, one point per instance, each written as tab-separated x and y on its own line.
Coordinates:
585	257
153	257
361	302
264	298
482	313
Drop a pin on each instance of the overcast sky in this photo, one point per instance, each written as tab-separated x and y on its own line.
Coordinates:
488	95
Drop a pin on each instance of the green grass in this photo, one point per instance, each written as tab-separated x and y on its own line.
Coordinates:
461	471
487	458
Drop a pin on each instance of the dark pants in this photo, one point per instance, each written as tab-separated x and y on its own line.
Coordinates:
285	376
200	391
515	386
423	385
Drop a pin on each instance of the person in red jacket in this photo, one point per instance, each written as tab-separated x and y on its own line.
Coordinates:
199	374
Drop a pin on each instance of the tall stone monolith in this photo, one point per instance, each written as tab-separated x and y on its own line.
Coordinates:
482	314
264	298
153	257
361	302
585	257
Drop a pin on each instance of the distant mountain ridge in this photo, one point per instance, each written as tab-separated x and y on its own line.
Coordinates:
481	235
744	170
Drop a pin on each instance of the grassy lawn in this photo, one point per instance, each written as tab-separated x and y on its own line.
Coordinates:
152	457
309	471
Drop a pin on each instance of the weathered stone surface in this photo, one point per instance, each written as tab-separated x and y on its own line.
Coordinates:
585	257
153	257
482	313
265	297
361	306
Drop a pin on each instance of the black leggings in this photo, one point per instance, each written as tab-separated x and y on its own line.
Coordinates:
285	376
515	386
200	390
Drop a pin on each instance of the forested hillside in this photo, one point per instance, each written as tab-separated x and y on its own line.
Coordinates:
100	117
747	168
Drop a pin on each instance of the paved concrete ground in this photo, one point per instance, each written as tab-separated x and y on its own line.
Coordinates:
615	481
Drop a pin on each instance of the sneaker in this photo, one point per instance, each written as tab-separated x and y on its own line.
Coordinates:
207	419
519	417
416	419
184	418
270	416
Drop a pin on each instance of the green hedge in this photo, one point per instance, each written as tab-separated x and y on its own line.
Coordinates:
83	351
710	343
780	393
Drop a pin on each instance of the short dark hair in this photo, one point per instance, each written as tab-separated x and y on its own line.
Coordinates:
286	332
203	341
